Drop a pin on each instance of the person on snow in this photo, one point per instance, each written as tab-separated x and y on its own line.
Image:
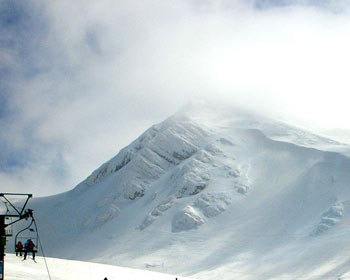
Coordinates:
29	247
19	248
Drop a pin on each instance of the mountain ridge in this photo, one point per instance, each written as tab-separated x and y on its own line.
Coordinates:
223	190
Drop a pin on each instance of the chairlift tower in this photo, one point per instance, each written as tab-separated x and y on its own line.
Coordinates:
20	214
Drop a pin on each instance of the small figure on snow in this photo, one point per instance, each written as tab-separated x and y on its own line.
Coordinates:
19	248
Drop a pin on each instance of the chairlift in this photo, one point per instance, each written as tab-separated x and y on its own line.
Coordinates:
27	233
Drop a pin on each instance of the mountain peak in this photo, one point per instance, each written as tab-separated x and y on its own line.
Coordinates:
226	187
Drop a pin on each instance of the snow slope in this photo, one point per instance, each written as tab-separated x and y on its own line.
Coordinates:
208	193
60	269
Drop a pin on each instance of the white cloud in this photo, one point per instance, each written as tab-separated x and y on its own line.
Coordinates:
103	71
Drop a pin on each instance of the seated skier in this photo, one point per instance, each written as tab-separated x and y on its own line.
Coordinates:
19	248
29	247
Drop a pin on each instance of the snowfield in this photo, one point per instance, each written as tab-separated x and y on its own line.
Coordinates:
60	269
211	193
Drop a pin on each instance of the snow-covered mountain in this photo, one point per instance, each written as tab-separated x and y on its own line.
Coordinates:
211	192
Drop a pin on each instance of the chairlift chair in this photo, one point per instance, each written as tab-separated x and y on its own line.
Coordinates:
27	233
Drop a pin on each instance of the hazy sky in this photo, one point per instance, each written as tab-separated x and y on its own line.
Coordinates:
81	79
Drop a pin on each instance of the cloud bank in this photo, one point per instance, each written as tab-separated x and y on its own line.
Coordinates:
79	80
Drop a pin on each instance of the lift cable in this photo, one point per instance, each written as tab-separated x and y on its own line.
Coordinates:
42	249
